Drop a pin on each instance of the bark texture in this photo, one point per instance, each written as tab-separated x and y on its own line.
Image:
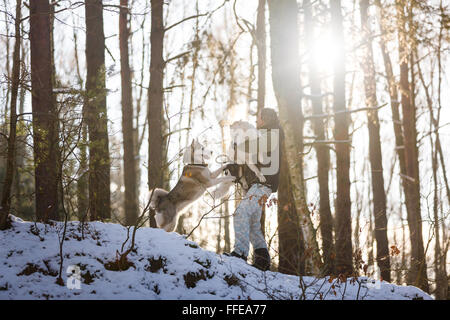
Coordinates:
344	253
129	163
285	59
96	115
45	114
322	151
5	204
376	163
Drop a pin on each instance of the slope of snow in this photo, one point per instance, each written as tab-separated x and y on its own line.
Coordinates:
164	266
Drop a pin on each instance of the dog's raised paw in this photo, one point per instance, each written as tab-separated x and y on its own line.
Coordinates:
262	178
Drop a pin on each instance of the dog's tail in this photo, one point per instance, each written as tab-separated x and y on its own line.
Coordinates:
155	195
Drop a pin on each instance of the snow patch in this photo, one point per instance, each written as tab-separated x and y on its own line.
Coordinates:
163	266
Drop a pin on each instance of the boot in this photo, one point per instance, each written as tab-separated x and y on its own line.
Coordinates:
262	259
235	254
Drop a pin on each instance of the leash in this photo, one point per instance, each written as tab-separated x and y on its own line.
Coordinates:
227	158
224	156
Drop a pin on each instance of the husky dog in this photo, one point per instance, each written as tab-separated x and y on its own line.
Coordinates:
194	181
242	131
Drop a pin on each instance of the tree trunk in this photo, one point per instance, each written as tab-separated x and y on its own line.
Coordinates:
341	122
417	273
21	152
219	232
7	62
5	204
45	114
439	269
196	47
261	49
226	209
291	250
376	163
439	265
155	99
393	93
370	260
83	179
129	166
441	281
395	109
286	83
96	114
322	152
226	233
358	200
137	132
155	96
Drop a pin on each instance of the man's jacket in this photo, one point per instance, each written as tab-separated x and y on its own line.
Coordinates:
272	180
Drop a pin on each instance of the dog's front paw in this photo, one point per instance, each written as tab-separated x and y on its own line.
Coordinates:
261	178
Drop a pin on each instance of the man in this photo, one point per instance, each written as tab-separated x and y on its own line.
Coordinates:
247	217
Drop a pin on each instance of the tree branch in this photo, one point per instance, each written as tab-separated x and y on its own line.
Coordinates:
183	20
330	115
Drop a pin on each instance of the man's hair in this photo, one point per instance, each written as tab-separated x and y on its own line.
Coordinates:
270	118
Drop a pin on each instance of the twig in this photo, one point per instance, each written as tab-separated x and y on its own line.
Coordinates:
185	19
204	215
329	115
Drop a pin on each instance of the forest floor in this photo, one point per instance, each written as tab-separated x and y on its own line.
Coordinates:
163	266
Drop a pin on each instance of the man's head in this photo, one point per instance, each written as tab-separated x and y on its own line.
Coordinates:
267	118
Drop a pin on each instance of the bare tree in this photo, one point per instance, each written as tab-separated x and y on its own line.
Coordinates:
261	49
96	114
155	99
286	82
83	172
376	163
411	182
322	150
439	267
5	203
45	114
129	166
291	243
341	122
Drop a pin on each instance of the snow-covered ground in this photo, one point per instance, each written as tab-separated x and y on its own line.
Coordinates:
164	266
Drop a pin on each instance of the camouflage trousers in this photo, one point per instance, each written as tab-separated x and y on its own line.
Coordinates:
247	220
